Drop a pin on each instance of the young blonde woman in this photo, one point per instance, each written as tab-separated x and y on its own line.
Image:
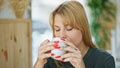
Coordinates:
69	21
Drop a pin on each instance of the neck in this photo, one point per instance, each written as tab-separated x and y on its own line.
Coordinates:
83	48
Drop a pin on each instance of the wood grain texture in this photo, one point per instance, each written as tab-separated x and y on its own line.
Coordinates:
15	43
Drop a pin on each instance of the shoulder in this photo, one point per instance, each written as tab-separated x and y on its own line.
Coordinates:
99	53
102	57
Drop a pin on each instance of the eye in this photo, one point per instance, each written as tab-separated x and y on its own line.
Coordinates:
68	28
57	29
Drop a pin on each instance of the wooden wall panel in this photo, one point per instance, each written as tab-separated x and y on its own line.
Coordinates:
15	43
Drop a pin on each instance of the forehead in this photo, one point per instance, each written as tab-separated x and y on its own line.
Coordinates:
61	20
58	19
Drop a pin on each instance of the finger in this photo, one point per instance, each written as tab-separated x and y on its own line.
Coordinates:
70	49
70	44
44	56
46	45
44	42
46	49
70	59
73	55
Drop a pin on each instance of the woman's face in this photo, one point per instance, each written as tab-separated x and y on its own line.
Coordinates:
71	34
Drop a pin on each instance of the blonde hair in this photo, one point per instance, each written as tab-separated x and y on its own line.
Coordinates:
73	14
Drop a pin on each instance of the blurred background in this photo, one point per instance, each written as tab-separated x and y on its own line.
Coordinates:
103	17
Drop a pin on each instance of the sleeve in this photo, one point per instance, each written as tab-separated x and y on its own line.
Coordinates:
47	65
50	63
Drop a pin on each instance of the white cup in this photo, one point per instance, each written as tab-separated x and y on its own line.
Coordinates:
58	43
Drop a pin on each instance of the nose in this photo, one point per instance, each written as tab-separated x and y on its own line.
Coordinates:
63	34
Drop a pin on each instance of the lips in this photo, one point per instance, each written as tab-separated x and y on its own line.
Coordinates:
63	39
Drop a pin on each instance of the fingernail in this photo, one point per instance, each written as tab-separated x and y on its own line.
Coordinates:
62	60
52	54
57	56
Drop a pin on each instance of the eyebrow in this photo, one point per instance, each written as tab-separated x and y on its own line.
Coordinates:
64	25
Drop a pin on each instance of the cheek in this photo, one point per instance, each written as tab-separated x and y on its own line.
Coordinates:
57	34
76	38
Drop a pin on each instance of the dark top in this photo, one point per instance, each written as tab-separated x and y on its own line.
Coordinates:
95	58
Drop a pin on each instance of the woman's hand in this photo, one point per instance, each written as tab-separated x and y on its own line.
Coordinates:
43	53
73	55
